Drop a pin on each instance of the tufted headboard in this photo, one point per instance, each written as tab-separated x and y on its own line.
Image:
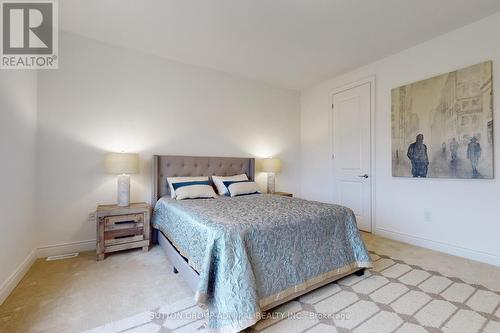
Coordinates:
190	166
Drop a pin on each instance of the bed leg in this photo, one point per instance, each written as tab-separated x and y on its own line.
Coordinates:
154	236
175	270
361	272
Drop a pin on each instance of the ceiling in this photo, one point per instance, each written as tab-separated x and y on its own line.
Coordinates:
287	43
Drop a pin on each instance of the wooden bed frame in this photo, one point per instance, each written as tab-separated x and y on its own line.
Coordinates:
192	166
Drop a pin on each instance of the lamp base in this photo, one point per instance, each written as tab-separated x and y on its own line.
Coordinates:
270	182
123	190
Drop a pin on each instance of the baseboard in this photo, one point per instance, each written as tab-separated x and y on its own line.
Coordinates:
13	280
58	249
485	257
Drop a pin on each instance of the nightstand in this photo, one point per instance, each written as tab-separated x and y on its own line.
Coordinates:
283	194
122	228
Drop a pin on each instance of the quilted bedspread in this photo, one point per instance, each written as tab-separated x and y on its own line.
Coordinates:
254	250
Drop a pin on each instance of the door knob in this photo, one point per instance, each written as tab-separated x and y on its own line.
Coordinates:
363	176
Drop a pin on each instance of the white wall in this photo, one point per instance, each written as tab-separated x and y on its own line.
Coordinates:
464	213
111	99
18	116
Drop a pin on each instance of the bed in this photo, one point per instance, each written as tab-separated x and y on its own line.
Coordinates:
245	255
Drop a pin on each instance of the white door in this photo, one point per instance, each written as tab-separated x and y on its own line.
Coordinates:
352	152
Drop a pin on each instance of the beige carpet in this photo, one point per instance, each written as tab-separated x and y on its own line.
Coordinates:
79	294
392	297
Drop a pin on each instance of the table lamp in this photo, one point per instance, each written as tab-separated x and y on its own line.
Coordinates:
271	166
122	164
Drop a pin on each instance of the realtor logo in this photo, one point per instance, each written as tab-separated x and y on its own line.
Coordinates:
29	34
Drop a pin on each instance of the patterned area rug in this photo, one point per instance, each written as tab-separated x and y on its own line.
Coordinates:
391	297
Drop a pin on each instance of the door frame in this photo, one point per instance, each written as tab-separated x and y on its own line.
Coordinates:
372	81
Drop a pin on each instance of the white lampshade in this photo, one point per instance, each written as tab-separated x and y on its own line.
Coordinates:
122	163
271	165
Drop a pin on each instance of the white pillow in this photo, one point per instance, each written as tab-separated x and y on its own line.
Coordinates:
242	187
221	188
171	180
194	190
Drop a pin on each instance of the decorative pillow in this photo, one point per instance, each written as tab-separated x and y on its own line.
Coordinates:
221	188
193	190
241	187
172	180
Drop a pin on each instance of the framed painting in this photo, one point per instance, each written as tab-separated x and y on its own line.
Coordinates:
442	127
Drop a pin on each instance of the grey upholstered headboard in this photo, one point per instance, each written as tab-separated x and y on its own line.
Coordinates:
189	166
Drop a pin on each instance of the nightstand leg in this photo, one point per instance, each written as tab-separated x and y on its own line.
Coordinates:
145	248
100	239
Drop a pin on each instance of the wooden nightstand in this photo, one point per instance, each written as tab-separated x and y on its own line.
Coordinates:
283	194
122	228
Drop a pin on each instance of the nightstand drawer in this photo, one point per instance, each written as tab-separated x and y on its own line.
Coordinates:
109	220
121	236
120	222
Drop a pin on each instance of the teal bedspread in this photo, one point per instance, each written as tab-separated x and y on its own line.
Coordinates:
255	250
